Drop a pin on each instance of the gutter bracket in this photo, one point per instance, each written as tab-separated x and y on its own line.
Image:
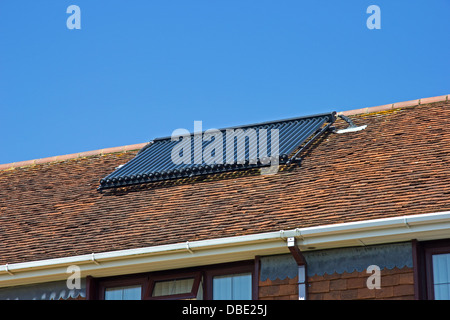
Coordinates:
93	259
189	248
298	233
8	271
301	262
406	223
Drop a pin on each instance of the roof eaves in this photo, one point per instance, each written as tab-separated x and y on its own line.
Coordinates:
427	226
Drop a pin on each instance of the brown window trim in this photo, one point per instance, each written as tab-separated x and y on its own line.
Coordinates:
121	281
197	275
229	269
96	286
423	268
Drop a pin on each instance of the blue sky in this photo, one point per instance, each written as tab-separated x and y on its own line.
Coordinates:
137	70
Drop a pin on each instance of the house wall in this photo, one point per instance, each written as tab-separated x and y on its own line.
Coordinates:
395	284
341	274
56	290
333	274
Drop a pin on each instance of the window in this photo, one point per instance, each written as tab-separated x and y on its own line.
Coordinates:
118	288
233	287
230	281
433	269
441	276
123	293
176	286
172	287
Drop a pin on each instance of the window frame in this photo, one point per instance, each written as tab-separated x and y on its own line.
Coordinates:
120	281
230	269
197	275
423	266
95	287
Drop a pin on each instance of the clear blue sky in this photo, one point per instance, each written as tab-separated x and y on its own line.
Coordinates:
139	69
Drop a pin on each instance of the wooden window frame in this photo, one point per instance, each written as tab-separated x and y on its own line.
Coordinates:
197	275
121	281
231	269
95	287
423	266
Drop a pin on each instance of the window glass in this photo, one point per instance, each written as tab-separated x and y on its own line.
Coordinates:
171	287
441	276
233	287
123	293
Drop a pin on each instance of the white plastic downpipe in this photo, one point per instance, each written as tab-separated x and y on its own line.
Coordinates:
301	262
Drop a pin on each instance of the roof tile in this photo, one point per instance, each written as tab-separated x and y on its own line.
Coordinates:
397	166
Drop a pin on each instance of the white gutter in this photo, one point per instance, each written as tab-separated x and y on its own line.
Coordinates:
203	252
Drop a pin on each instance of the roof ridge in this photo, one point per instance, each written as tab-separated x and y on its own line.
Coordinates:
396	105
131	147
19	164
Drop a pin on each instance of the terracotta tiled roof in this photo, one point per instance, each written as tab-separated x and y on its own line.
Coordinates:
398	165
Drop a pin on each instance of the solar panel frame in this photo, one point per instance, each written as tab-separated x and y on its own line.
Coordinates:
154	163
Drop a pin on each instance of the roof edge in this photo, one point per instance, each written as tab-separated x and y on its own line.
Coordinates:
331	117
428	226
132	147
71	156
396	105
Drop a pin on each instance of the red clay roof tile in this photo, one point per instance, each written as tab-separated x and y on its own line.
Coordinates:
397	166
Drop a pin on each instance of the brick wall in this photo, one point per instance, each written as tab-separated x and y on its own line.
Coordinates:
278	289
395	284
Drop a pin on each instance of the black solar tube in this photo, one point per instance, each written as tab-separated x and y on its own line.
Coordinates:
305	132
302	133
154	154
252	148
196	149
164	160
160	156
138	161
269	129
316	135
255	148
278	126
141	160
291	132
294	135
284	129
215	149
240	149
